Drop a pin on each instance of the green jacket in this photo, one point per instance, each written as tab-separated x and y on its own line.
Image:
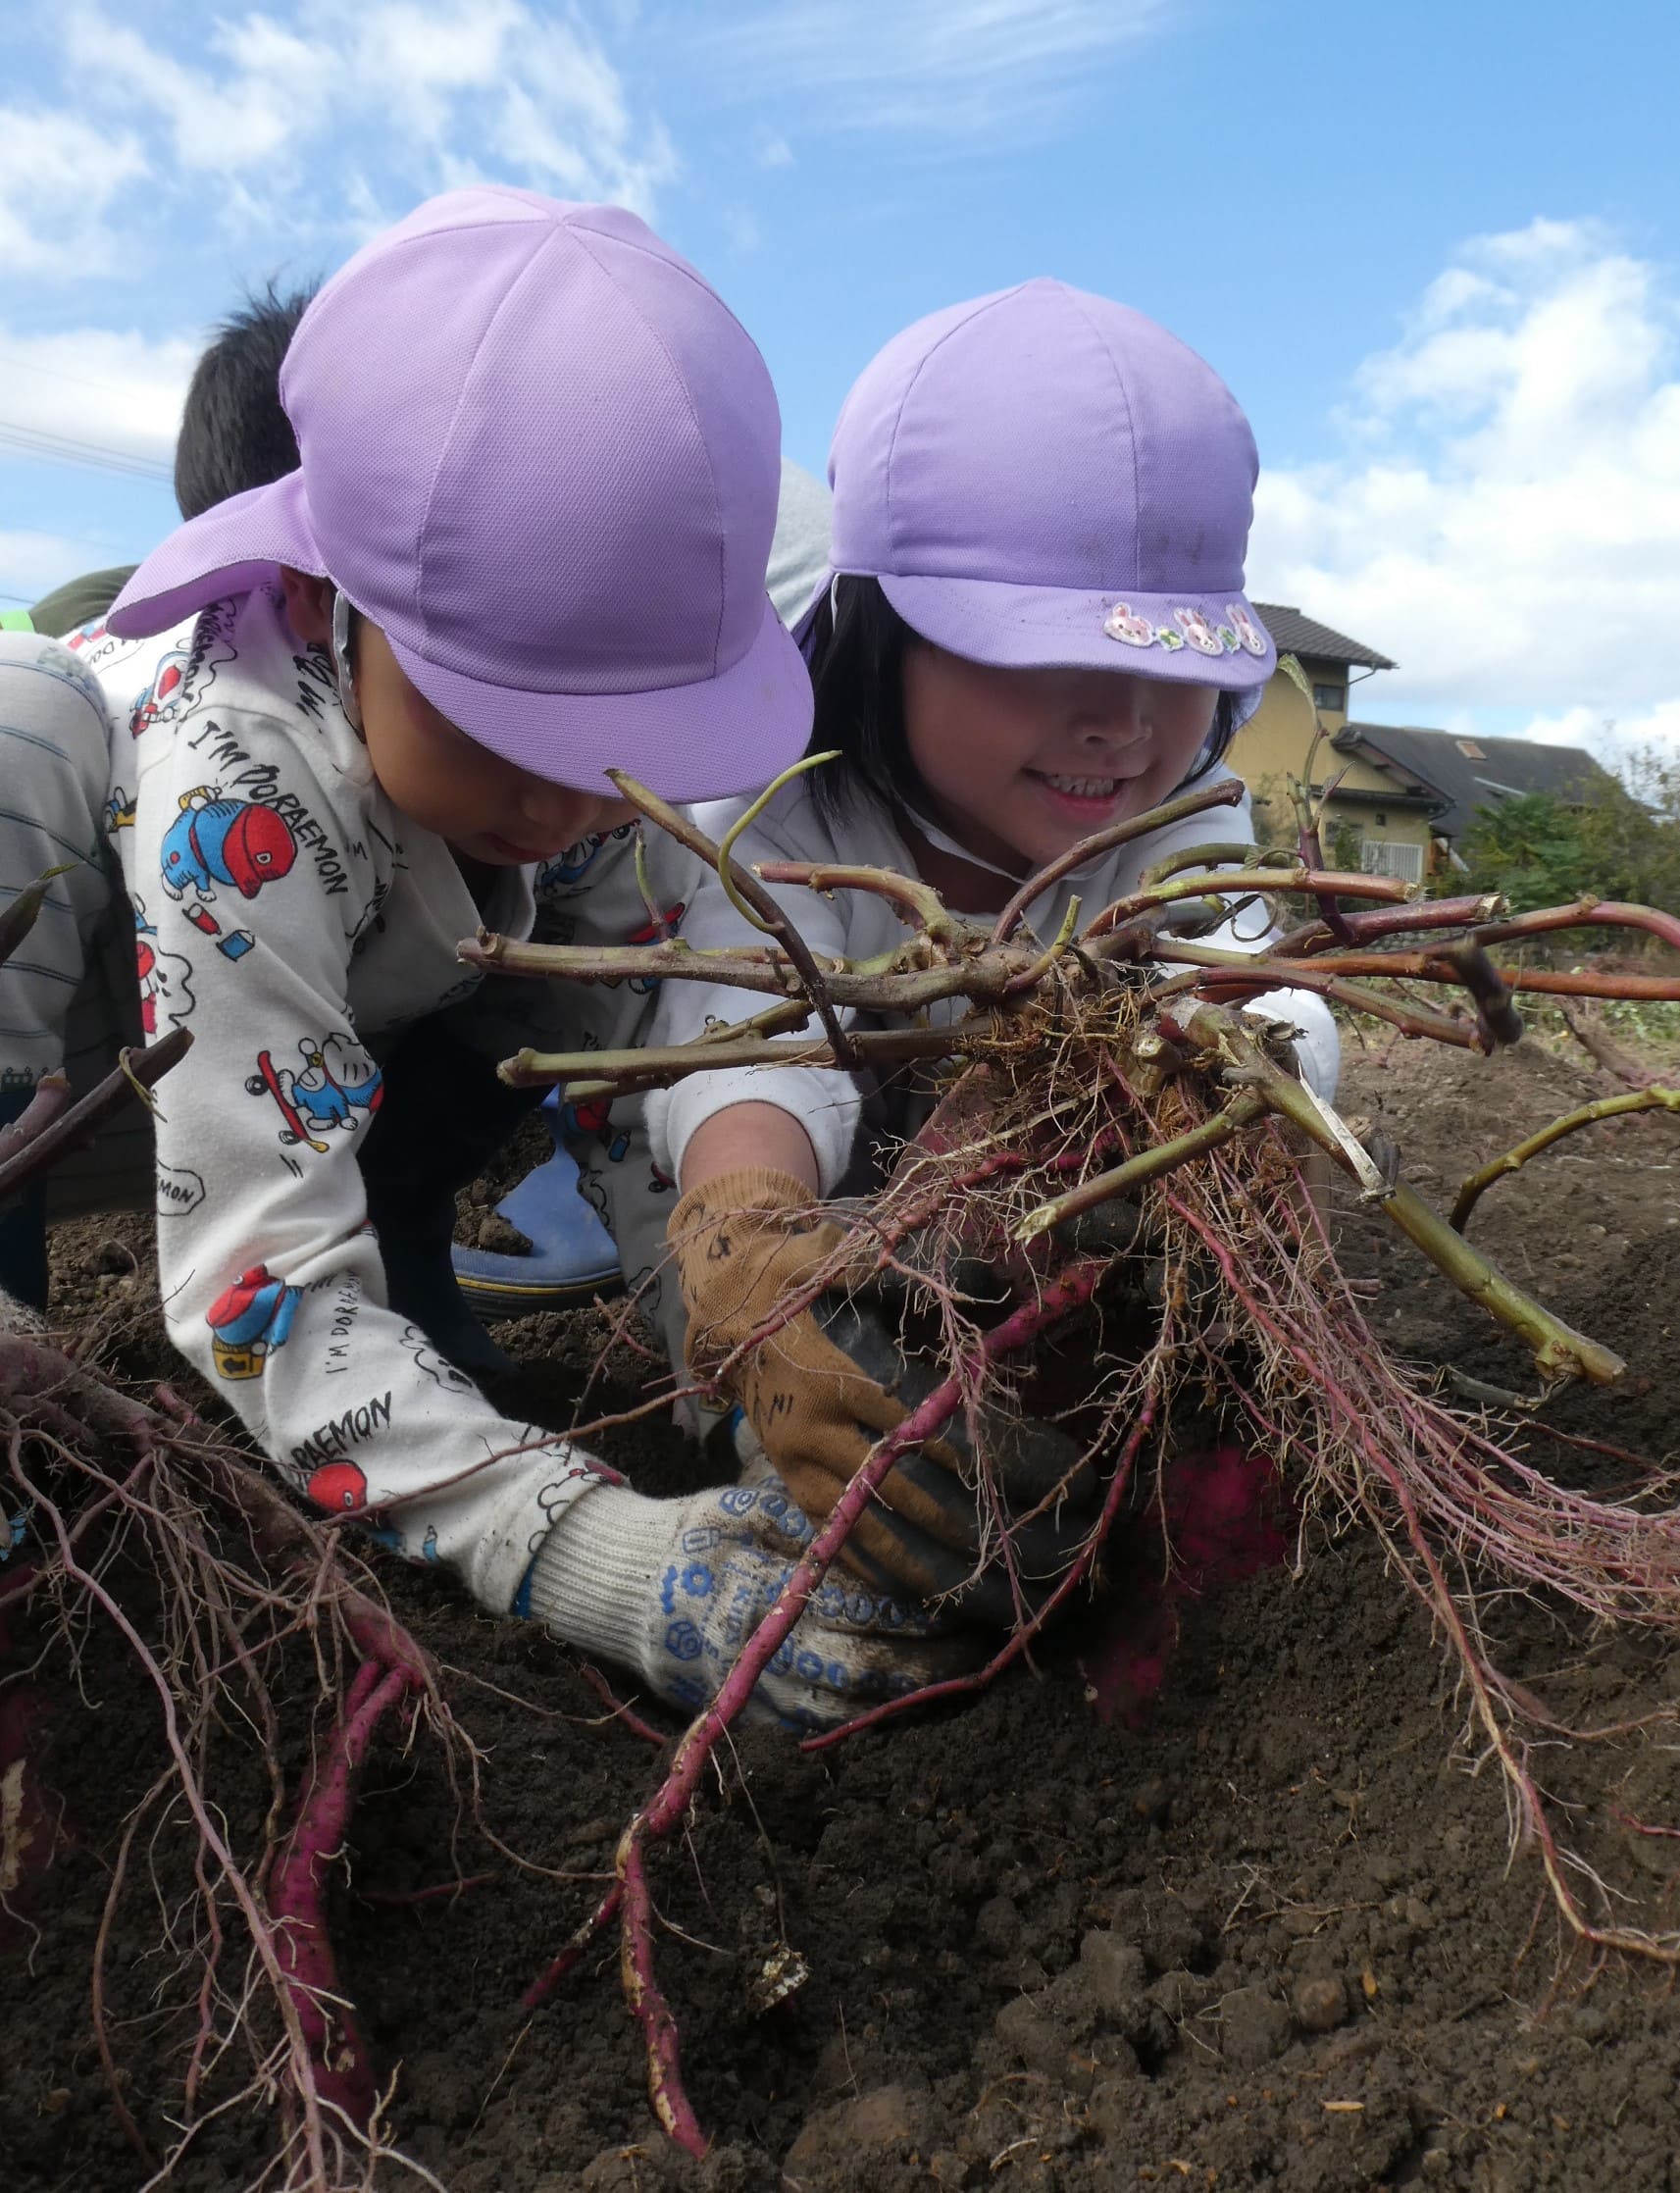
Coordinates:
77	602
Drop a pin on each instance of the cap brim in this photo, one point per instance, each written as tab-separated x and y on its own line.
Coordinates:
227	549
1044	628
707	741
721	736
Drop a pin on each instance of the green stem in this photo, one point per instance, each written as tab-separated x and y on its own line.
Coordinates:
1221	853
1477	1184
629	1072
744	822
1312	882
22	915
913	901
1559	1350
1147	1166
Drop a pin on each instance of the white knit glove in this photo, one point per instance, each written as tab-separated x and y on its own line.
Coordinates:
675	1588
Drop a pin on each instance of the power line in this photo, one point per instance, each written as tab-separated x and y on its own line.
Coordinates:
14	364
66	449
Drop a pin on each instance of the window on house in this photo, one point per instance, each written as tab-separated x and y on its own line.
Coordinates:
1470	749
1329	697
1390	857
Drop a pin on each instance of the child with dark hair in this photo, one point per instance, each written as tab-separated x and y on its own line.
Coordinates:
330	727
234	433
1033	628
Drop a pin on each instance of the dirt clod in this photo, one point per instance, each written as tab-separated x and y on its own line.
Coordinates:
1320	2005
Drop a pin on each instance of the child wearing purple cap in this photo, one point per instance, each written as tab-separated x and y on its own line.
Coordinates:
1034	626
329	727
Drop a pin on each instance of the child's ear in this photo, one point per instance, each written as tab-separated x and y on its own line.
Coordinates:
308	606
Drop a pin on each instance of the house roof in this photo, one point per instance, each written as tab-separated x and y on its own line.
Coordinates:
1296	635
1471	773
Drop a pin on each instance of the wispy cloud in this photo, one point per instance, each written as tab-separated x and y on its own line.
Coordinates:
323	126
1615	740
945	67
57	178
119	389
1503	519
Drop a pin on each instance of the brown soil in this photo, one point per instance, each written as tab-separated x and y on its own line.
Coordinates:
1268	1937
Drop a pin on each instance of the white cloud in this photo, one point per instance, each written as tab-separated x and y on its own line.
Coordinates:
121	390
292	118
226	124
1615	739
949	68
57	177
1504	520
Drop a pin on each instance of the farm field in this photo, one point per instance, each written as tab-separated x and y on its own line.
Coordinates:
1262	1929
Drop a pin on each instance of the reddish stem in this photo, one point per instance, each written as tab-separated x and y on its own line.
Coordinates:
665	1808
1436	967
1586	913
540	1988
50	1100
647	1999
1217	977
1372	922
401	1898
1236	883
620	1711
1024	1633
1224	792
67	1130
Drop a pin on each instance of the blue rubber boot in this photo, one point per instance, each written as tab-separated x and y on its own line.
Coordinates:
23	1224
572	1260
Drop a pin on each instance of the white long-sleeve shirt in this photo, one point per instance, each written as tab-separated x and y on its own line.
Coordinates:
857	924
295	922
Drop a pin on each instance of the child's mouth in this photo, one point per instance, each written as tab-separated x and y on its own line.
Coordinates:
1087	792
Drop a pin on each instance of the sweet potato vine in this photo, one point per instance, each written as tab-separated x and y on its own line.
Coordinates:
1112	1176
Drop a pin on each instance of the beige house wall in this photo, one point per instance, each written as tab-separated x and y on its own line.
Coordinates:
1275	738
1406	826
1272	747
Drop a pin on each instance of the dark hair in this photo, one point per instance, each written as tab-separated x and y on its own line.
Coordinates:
855	652
233	433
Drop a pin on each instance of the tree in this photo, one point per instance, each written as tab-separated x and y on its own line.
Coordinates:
1623	842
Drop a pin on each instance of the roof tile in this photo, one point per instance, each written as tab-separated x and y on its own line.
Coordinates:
1296	635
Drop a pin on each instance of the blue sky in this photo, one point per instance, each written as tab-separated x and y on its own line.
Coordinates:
1434	249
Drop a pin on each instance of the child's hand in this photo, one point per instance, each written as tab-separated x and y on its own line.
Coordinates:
676	1588
744	1242
821	1388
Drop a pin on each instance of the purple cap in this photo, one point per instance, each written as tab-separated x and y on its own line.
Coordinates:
1044	477
542	457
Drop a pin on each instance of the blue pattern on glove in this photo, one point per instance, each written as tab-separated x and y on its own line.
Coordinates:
729	1572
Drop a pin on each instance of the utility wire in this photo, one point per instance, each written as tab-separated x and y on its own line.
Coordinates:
66	449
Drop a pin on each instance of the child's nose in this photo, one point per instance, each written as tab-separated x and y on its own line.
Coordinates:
556	810
1110	706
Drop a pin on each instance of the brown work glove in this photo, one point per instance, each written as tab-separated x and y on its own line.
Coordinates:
822	1388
